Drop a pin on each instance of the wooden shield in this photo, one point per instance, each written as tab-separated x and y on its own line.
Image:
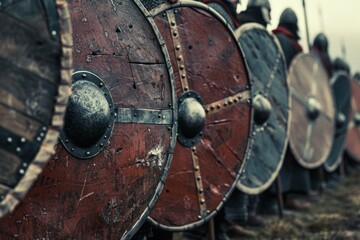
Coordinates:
269	137
221	8
214	115
353	136
102	182
312	125
35	81
341	87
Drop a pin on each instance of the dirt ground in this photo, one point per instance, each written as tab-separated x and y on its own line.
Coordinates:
336	215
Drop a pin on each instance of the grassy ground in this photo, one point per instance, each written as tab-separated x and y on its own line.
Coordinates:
336	215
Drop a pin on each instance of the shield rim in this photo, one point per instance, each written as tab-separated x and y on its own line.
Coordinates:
339	158
188	3
299	160
254	191
9	203
143	217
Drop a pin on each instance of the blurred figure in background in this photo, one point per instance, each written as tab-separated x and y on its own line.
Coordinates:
320	48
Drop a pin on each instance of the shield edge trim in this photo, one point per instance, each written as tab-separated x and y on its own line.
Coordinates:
339	159
188	3
50	139
174	107
318	163
258	190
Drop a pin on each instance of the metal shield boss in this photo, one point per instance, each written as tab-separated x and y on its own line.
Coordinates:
353	136
269	136
341	87
313	111
119	134
214	114
35	83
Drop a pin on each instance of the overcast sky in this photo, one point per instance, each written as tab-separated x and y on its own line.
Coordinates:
339	20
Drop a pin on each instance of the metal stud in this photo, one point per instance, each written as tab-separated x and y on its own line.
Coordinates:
9	140
23	140
21	171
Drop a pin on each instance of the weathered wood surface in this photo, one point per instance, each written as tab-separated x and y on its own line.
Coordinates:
353	136
268	74
310	140
201	177
111	194
341	87
35	85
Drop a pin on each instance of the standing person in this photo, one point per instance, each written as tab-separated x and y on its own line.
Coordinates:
294	178
257	11
320	48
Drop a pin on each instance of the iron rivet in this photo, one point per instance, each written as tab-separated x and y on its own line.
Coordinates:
189	94
198	178
18	149
24	164
88	153
135	114
179	58
101	84
212	107
163	117
170	105
208	211
164	15
83	75
53	33
202	201
186	88
193	149
193	141
207	110
199	217
72	149
21	171
178	47
197	168
105	137
175	11
38	139
235	100
169	128
101	144
105	94
225	104
172	23
200	133
9	140
23	140
183	76
218	106
249	101
182	67
201	190
159	116
174	33
42	134
44	129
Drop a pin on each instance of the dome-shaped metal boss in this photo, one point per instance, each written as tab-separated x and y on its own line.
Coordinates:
340	120
191	117
357	119
262	109
313	108
88	114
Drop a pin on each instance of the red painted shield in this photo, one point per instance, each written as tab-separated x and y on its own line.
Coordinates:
212	86
313	111
353	137
119	134
35	63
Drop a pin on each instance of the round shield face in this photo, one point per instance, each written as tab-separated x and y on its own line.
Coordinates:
35	84
271	99
353	135
313	111
341	87
119	133
214	114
